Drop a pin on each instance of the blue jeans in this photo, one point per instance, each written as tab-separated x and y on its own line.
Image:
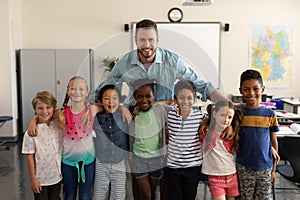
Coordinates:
183	183
70	182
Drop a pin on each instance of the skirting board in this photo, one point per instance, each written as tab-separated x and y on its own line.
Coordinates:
8	139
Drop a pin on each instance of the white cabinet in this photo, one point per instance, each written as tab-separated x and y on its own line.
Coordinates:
48	69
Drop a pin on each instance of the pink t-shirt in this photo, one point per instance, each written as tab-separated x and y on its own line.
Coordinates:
78	142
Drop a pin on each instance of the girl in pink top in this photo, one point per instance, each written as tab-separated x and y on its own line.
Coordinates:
219	153
78	155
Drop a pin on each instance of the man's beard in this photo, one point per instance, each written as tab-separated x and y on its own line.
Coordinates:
146	54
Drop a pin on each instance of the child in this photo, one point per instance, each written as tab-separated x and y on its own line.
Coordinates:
78	149
255	168
78	152
78	155
184	149
111	145
218	153
148	143
44	151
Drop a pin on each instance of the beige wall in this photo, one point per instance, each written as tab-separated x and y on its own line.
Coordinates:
10	38
85	24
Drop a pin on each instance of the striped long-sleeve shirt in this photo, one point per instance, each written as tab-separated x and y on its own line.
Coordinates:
184	149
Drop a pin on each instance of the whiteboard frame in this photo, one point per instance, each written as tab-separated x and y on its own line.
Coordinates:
208	45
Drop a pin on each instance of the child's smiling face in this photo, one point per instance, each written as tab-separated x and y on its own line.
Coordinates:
44	112
143	96
77	90
251	91
110	101
185	100
223	118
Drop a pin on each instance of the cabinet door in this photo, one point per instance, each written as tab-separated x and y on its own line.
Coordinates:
37	73
70	63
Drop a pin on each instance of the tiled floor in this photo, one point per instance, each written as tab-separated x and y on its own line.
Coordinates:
15	185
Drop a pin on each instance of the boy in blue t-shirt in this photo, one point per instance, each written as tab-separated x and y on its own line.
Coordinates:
255	167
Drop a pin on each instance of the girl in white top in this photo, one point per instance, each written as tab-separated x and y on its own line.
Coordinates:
219	154
44	151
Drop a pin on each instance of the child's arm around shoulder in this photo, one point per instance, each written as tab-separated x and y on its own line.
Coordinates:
228	133
203	128
202	131
32	128
96	108
56	114
126	114
167	107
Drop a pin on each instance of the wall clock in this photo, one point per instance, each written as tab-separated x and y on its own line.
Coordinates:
175	15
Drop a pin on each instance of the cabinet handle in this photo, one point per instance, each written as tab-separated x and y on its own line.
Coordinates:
58	82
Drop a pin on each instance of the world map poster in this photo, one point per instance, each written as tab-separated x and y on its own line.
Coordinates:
271	53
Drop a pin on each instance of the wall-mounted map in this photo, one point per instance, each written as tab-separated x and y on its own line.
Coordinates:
271	52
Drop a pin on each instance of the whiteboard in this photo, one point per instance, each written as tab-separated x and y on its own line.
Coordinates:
197	43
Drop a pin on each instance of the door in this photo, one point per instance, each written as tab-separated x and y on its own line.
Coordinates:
36	73
49	70
70	63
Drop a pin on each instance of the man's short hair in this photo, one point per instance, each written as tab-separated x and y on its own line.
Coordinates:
146	24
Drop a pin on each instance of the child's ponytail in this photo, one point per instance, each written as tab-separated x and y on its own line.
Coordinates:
210	123
86	117
236	121
61	116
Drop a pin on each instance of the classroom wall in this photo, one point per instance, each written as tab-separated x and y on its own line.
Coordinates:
85	24
10	38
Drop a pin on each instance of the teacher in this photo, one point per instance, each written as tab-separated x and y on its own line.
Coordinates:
152	62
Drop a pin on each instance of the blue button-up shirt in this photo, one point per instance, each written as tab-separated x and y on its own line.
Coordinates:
166	69
112	139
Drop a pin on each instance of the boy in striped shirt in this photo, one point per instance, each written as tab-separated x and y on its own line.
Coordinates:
184	147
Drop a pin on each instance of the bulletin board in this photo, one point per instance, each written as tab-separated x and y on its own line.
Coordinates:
197	43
